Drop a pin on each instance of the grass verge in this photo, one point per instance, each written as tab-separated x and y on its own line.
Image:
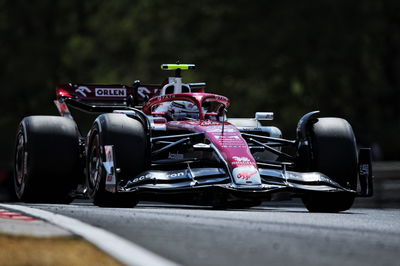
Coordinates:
26	250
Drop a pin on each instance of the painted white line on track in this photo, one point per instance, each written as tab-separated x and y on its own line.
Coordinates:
123	250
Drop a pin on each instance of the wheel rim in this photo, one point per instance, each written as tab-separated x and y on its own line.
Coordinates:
20	161
95	163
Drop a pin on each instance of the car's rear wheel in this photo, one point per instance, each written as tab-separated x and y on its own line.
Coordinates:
130	144
334	153
47	163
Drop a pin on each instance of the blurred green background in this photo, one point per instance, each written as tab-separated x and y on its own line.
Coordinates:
290	57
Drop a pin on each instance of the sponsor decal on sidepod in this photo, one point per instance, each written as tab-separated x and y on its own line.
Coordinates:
246	175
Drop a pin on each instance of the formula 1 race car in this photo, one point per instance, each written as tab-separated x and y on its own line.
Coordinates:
174	143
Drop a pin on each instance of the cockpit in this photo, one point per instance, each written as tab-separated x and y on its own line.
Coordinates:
177	102
178	110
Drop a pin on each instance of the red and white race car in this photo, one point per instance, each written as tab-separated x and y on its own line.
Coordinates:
174	143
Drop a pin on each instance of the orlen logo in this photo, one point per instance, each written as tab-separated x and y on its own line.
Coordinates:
83	90
106	92
143	92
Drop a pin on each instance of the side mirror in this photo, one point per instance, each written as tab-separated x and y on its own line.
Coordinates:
155	118
264	116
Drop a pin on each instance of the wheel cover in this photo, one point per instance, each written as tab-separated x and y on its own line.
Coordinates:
95	163
20	163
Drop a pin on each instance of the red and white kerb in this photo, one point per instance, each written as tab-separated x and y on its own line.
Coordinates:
6	214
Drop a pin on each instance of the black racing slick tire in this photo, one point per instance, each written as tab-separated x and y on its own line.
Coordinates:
334	153
130	144
47	166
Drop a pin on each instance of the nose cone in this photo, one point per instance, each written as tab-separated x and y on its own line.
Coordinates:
246	175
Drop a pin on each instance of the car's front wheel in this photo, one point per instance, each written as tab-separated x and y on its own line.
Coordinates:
334	153
128	138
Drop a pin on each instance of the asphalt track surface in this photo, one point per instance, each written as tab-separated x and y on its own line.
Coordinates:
267	235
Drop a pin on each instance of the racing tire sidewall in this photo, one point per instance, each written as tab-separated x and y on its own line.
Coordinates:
93	183
47	166
130	145
333	153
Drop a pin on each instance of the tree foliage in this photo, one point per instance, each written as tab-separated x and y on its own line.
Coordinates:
291	57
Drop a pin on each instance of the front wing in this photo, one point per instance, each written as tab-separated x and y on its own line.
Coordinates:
203	178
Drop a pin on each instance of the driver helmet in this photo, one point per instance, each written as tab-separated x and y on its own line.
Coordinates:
181	110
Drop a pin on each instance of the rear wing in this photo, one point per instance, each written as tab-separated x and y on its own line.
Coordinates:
103	94
108	97
110	94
